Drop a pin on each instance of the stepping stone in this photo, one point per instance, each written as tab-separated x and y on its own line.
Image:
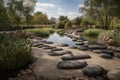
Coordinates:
86	42
48	47
85	45
97	51
71	64
74	39
75	57
40	46
83	48
117	54
59	53
73	47
92	70
35	44
63	45
97	47
114	74
80	40
107	52
104	55
57	49
79	43
48	42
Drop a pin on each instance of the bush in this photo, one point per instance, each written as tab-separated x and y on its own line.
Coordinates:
44	32
116	38
60	25
68	25
92	32
14	52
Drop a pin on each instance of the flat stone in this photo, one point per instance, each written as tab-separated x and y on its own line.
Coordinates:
107	52
79	40
73	47
71	64
92	70
86	42
63	45
75	57
97	47
104	55
79	43
83	48
57	49
48	47
97	51
114	74
117	54
48	42
59	53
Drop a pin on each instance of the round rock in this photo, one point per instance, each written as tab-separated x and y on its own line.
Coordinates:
59	53
114	74
117	54
93	70
104	55
71	64
75	57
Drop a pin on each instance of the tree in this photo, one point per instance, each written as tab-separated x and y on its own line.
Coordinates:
77	20
62	18
101	11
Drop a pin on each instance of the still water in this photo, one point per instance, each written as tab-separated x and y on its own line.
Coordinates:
60	39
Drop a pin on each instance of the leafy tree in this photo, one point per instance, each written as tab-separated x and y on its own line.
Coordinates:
62	18
77	21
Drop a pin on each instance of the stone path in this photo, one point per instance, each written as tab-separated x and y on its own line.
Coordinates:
47	65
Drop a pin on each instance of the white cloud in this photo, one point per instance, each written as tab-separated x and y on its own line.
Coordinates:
59	9
43	6
72	15
80	5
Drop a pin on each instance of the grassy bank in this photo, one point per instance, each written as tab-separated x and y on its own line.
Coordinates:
41	32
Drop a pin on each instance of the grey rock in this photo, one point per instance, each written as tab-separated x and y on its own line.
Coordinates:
75	57
63	45
71	64
73	47
104	55
107	52
57	49
79	43
114	74
97	51
83	48
92	70
59	53
97	47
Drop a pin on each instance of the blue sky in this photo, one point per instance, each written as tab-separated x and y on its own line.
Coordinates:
55	8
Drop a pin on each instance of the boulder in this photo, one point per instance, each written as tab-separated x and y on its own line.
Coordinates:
71	64
75	57
114	74
73	47
107	52
92	70
59	53
48	47
117	54
48	42
104	55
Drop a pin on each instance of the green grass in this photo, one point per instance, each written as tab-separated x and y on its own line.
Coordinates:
41	32
14	52
92	32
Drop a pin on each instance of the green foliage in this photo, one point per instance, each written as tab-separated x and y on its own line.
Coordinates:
92	32
116	38
77	21
60	25
68	25
14	52
62	18
44	32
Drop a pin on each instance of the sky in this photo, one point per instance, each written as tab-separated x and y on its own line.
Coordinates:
55	8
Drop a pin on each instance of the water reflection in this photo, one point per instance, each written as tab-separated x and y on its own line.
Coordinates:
58	39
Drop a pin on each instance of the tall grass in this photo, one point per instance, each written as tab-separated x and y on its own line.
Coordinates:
14	52
92	32
43	32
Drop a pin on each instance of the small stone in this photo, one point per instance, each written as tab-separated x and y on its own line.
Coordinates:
97	51
104	55
117	54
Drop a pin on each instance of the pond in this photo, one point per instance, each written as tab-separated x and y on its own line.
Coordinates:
60	39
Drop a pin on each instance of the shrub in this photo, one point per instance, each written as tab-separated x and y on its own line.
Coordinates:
116	38
14	52
92	32
68	25
44	32
60	25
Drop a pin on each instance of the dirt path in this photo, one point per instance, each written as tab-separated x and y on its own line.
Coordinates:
46	65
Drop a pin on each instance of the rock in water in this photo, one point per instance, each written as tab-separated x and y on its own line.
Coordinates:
93	70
